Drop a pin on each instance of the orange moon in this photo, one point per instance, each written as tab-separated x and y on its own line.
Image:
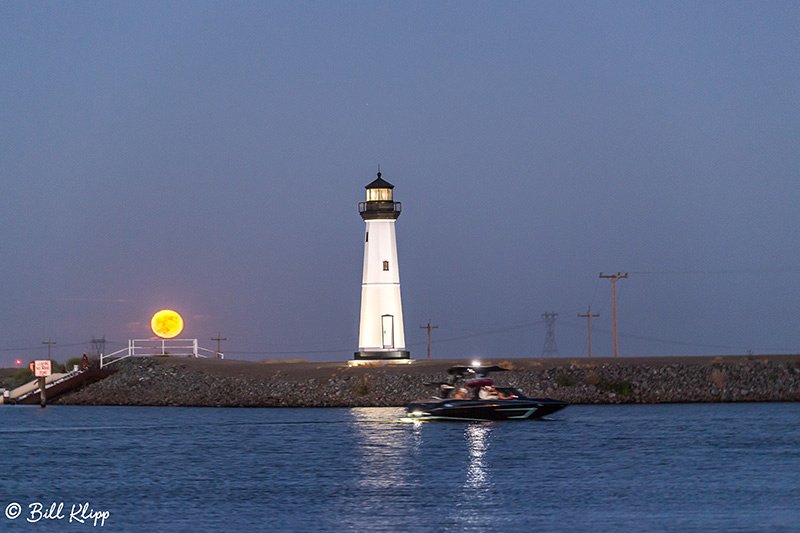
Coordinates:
166	324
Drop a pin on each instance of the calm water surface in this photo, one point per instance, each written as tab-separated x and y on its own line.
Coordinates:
726	467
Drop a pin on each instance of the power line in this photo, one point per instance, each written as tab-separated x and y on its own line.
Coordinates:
282	352
437	341
31	348
784	270
488	333
594	295
571	325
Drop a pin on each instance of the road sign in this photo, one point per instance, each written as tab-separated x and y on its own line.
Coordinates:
42	368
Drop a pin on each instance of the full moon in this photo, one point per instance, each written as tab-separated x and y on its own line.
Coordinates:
166	323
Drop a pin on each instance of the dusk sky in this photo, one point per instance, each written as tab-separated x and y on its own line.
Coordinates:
209	157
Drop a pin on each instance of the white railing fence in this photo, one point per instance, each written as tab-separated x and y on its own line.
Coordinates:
156	347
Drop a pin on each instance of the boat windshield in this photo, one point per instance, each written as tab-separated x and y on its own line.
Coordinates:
509	392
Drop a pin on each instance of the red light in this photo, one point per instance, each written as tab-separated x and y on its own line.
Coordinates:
18	361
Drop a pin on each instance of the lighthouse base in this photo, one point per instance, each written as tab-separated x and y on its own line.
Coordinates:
382	355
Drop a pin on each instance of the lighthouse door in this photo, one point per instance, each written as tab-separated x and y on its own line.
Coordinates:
387	323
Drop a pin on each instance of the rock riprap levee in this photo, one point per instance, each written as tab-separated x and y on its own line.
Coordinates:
145	381
748	381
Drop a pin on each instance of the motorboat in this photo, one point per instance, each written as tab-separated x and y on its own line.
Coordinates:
470	395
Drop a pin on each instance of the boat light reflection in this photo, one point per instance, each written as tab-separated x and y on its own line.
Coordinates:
477	436
383	450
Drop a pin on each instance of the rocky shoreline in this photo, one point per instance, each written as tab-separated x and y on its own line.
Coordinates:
152	382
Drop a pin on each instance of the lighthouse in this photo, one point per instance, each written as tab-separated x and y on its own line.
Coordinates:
380	335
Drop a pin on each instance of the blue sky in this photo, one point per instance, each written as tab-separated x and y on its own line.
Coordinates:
209	157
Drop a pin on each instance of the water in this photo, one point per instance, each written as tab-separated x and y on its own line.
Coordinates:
719	467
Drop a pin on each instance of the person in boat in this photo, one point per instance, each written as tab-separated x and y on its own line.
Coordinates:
460	394
491	393
488	393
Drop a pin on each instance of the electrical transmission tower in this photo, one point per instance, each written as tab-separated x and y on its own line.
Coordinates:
99	346
550	347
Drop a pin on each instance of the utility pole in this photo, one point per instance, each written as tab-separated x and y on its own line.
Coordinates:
614	278
219	338
589	316
49	343
550	347
429	328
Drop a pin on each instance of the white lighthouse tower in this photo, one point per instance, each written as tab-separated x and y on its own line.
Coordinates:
381	335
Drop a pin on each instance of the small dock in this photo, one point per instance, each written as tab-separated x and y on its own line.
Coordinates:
55	385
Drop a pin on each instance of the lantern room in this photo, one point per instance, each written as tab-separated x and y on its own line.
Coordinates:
379	190
380	203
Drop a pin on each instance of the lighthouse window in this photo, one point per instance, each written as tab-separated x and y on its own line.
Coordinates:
379	195
386	265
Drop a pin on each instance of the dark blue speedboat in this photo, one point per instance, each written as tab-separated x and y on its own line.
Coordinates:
479	400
